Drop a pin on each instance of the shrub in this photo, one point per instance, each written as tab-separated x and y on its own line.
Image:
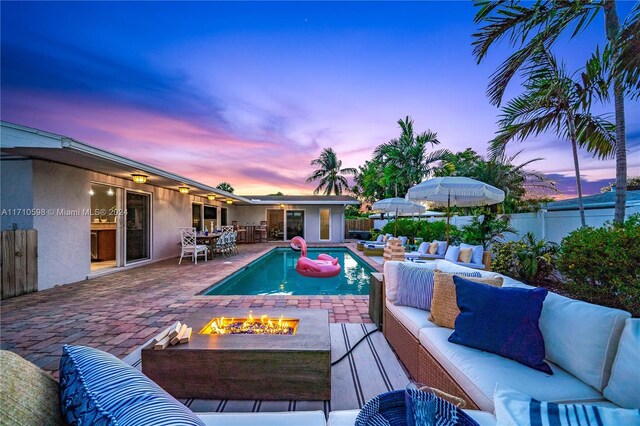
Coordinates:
428	231
527	260
602	265
486	231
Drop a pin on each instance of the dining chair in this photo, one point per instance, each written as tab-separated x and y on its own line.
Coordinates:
189	245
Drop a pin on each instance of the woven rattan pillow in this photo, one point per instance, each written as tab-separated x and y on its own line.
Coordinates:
444	305
28	396
464	256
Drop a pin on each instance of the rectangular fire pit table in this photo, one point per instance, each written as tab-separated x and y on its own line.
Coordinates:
247	366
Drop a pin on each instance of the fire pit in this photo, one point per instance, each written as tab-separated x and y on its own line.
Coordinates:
250	325
272	354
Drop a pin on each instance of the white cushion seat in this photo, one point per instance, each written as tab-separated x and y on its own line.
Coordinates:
478	372
471	265
348	417
289	418
412	318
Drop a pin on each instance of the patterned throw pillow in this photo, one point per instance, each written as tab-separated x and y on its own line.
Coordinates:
514	408
444	306
415	286
464	256
97	388
503	321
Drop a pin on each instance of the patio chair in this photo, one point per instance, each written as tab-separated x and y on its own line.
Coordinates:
232	242
227	228
221	245
189	245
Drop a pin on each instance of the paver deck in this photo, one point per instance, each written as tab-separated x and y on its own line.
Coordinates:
120	311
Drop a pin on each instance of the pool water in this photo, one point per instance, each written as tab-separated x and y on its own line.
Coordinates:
275	274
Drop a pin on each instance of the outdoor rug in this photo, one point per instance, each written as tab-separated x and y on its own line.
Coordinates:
369	370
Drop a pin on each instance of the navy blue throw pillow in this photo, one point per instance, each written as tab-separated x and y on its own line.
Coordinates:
501	320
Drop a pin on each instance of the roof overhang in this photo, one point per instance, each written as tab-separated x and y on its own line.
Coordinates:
257	201
24	142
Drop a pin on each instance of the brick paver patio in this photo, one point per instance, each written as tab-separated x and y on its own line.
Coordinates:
120	311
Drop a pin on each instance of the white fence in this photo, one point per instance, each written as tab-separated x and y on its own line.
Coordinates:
549	225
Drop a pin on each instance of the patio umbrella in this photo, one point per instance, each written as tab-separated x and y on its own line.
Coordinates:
398	205
455	191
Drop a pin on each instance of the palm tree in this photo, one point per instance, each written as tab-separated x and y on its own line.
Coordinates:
541	23
330	173
405	160
225	186
554	101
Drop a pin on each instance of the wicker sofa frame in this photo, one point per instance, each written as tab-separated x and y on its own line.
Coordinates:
418	362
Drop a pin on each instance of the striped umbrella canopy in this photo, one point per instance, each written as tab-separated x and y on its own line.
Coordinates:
455	191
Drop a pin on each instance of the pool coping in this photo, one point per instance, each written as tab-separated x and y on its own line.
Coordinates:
242	268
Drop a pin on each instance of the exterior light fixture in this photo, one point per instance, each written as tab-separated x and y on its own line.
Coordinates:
282	206
91	192
110	192
229	201
183	189
138	178
211	197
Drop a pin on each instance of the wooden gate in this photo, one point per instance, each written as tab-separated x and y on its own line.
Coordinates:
19	257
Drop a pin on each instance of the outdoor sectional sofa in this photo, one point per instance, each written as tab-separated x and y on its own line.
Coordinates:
581	342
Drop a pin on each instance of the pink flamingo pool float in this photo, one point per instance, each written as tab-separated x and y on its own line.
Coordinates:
324	266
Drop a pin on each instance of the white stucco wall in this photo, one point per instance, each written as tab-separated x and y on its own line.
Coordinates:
64	240
16	193
252	215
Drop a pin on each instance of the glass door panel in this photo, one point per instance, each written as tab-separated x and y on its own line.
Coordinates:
295	224
138	227
325	224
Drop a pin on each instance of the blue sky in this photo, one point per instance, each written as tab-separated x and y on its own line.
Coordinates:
251	92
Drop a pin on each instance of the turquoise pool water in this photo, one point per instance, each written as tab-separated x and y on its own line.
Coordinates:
275	274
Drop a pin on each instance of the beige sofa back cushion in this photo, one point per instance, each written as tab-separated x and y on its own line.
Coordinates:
28	396
581	338
624	385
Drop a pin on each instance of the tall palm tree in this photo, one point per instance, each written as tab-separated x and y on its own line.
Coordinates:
541	23
330	173
405	159
553	101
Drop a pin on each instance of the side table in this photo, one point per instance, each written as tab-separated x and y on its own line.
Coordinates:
376	298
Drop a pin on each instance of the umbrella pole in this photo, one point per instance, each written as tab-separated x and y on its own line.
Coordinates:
395	231
448	216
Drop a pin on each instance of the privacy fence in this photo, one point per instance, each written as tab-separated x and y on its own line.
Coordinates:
19	257
548	225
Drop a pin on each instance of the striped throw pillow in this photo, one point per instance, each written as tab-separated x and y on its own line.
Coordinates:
415	285
96	388
514	408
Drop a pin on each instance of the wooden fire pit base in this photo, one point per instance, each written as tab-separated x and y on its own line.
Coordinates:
267	367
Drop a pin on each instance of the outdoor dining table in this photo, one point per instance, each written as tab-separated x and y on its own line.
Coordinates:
209	240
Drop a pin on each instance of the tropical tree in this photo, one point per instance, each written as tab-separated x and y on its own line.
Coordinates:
368	182
405	160
528	26
553	101
330	173
225	186
519	182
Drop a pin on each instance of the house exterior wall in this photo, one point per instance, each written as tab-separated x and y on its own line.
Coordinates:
64	237
17	193
252	215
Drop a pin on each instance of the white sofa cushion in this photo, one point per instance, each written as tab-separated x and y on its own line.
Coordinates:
515	408
348	417
472	265
581	338
413	319
391	277
288	418
624	385
478	372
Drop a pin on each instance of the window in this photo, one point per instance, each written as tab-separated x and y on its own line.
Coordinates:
295	223
210	217
196	216
325	224
223	219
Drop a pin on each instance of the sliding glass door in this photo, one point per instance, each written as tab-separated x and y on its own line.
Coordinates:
138	227
295	223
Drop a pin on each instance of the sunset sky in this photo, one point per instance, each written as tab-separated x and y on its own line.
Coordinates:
250	93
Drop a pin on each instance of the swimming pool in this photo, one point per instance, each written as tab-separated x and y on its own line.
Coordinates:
275	274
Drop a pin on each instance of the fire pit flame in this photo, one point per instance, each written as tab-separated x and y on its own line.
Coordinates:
250	325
